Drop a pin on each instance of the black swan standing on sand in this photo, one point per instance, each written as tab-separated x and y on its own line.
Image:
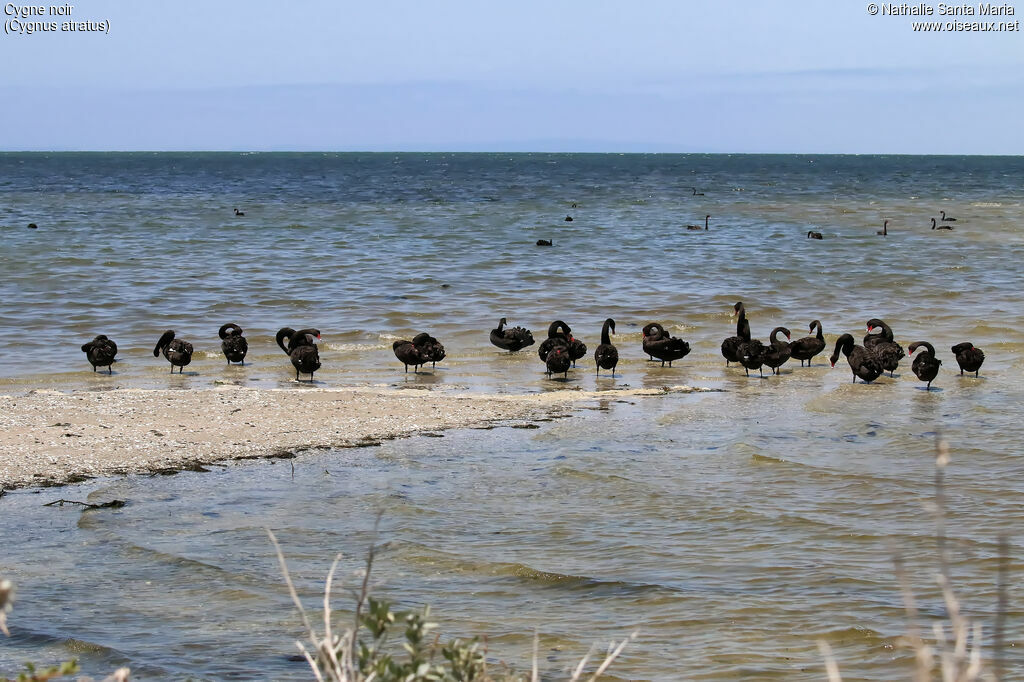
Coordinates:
945	219
233	343
863	363
777	352
885	229
926	365
698	227
431	349
940	227
301	349
177	352
606	356
100	352
814	235
657	343
511	339
968	357
730	346
888	352
809	346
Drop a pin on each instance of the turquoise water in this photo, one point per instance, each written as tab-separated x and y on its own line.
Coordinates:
732	528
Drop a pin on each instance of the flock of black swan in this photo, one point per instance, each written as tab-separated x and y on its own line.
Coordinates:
560	350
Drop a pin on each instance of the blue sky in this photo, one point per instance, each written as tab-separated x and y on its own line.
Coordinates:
739	76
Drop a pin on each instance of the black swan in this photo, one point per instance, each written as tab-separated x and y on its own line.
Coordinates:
657	343
809	346
730	346
968	357
606	356
945	219
100	352
302	349
239	213
777	352
888	352
544	242
431	348
885	229
558	360
512	339
568	218
940	227
698	227
177	352
233	343
814	235
558	335
926	365
577	349
408	354
863	364
696	193
751	355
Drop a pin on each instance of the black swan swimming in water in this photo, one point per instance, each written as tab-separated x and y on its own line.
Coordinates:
544	242
698	227
814	235
863	363
696	193
177	352
511	339
888	352
233	343
778	351
558	360
100	352
809	346
239	213
568	218
430	348
730	346
968	357
926	365
945	219
885	229
940	227
301	349
658	344
606	356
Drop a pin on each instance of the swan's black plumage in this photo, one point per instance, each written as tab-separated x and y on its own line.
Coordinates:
657	343
233	343
606	355
730	346
430	348
809	346
558	360
885	229
863	363
778	351
511	339
968	357
946	219
940	227
925	365
559	334
882	345
100	352
698	227
814	235
301	349
408	354
751	355
177	352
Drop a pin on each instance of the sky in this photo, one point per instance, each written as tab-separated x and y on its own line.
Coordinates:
645	76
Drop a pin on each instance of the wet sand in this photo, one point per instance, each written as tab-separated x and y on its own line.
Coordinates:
52	437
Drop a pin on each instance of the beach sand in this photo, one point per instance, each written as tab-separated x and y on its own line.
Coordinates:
53	437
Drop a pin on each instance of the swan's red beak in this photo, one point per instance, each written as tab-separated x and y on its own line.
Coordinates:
788	337
833	364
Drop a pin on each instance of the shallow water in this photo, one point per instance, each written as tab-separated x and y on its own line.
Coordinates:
732	528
